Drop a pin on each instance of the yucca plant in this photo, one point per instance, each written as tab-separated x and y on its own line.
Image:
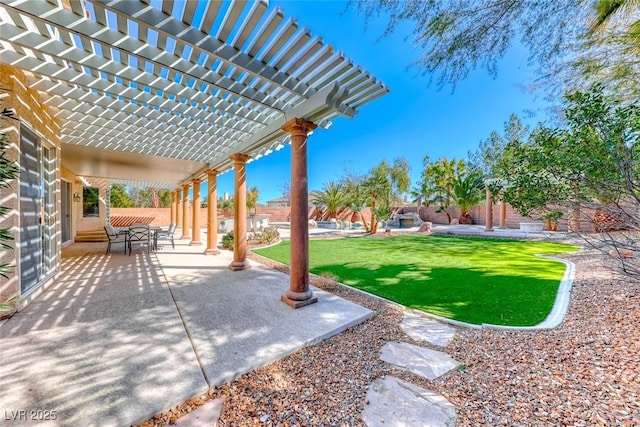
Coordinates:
8	172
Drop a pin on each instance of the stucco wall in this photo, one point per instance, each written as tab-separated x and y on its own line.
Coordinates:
90	223
30	112
281	214
68	176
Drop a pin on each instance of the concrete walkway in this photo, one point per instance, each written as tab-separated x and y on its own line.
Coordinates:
505	233
120	338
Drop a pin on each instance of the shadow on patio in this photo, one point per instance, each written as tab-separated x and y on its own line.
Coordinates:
119	338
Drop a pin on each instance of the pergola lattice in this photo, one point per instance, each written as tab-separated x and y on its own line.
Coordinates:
173	88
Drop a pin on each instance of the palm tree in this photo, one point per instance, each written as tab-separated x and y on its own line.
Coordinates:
437	181
466	192
226	205
356	197
383	188
252	198
437	178
332	196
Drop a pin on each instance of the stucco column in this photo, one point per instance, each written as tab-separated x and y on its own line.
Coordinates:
503	213
212	214
299	293
172	214
185	212
489	211
240	213
178	205
195	214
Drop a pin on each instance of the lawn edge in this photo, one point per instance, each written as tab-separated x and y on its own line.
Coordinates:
560	304
553	319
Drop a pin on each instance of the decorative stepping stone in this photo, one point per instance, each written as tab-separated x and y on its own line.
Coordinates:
421	361
393	402
205	416
423	329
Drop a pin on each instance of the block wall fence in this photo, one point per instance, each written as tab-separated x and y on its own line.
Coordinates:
281	214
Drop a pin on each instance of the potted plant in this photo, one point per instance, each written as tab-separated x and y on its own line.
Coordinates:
227	207
552	218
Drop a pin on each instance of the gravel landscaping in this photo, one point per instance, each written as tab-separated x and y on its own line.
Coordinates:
585	372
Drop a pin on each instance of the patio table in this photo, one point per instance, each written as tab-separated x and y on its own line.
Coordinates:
153	233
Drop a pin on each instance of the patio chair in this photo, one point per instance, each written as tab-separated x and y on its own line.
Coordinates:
139	235
167	235
115	237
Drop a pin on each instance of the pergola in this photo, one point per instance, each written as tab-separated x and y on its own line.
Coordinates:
169	93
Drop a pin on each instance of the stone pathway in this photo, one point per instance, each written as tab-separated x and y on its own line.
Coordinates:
205	416
429	364
424	329
393	402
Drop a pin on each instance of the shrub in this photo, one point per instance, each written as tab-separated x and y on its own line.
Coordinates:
227	240
266	236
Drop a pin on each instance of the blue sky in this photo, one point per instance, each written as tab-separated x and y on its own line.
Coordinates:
415	119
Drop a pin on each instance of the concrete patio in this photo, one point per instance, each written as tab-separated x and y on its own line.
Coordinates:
120	338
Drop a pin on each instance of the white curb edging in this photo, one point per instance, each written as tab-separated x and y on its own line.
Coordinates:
553	320
560	305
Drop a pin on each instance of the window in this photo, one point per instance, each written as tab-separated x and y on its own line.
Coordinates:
90	202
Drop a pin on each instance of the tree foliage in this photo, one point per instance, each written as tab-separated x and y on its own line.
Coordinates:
332	197
566	38
466	192
590	165
226	205
123	196
485	158
285	190
457	36
252	197
608	54
437	179
379	189
383	187
119	197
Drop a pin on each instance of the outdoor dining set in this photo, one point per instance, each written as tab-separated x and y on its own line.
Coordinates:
143	235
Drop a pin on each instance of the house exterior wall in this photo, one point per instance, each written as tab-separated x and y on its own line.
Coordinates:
90	223
31	112
67	175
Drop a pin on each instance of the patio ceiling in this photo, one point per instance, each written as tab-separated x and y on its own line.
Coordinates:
159	91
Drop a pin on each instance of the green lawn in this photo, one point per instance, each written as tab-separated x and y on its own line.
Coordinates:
468	279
